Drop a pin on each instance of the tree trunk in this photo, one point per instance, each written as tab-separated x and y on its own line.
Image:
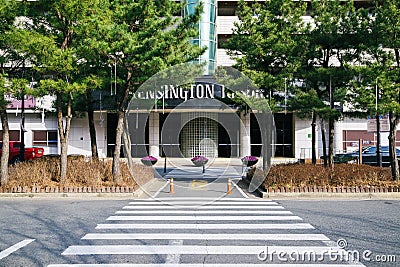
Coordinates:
394	164
92	128
323	137
121	104
64	134
331	141
5	148
313	139
116	159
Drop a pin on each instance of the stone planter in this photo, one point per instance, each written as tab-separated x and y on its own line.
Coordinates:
200	163
250	163
148	162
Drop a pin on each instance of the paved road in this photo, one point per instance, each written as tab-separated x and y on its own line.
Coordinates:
366	225
53	223
192	228
199	232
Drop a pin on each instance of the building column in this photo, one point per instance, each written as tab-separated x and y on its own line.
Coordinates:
245	144
338	143
154	136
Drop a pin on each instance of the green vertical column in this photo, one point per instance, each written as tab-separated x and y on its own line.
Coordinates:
207	31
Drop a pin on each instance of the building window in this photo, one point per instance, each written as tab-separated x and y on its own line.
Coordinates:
14	135
45	138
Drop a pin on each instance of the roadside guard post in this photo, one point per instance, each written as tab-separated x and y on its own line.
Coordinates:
229	189
171	186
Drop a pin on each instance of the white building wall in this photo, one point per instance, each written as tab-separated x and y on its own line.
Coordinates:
225	24
33	122
302	138
79	139
223	59
303	131
361	124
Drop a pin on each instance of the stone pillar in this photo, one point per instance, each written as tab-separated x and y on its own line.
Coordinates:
154	136
245	148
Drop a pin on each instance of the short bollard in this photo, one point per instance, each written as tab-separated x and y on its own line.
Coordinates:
171	186
229	189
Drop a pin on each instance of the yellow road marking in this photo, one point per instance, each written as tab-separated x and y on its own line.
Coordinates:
199	184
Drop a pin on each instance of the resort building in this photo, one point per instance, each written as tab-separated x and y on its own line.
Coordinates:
200	130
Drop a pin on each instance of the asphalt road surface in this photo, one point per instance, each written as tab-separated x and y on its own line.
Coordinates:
191	231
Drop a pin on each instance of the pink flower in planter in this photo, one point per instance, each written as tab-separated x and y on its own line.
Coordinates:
151	158
199	159
249	158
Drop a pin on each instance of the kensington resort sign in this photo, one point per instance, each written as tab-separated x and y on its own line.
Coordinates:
198	91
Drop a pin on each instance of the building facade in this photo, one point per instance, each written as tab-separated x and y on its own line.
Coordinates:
200	131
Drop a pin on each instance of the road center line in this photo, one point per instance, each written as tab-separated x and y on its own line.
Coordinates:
15	247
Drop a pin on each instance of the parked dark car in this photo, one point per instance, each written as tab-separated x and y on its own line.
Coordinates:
368	156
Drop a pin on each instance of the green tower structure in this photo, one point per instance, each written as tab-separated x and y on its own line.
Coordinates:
207	31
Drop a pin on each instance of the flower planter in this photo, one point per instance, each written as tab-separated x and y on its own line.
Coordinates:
200	163
249	161
149	160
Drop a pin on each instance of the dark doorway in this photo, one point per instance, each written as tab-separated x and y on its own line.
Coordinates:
139	143
224	143
112	119
284	135
255	136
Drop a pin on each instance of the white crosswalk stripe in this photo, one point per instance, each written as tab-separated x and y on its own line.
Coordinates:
206	226
159	207
229	236
205	265
193	232
203	218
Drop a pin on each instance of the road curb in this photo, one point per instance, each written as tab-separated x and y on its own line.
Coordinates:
377	196
372	192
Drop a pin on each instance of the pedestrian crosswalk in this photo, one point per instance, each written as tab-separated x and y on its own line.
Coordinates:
194	232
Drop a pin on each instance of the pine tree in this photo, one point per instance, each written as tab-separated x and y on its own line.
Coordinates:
55	29
142	38
10	65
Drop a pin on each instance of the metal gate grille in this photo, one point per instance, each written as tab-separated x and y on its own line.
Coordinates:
199	136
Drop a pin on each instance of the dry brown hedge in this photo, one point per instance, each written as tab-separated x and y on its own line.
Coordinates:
81	172
303	175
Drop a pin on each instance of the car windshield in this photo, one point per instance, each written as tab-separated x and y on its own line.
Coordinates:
370	150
